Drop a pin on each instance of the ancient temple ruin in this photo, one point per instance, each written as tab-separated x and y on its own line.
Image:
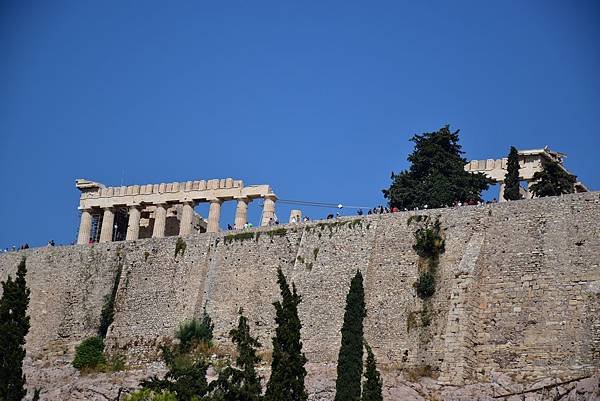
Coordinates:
530	162
158	210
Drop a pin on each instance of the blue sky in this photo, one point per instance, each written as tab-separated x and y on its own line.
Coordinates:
317	99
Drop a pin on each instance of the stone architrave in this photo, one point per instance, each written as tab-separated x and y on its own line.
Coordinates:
268	209
160	221
85	226
187	216
214	214
133	225
108	221
241	212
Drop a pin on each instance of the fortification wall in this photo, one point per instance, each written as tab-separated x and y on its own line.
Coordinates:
518	288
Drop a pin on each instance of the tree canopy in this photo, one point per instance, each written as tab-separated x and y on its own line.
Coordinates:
436	177
350	359
287	368
511	178
553	180
14	326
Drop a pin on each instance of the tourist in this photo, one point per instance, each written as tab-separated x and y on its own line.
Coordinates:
360	212
229	227
395	210
329	216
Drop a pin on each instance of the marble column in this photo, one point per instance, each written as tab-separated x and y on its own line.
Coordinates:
241	212
160	221
213	215
133	225
187	217
501	193
108	221
85	226
268	209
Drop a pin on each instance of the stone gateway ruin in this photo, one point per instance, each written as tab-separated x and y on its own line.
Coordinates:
516	306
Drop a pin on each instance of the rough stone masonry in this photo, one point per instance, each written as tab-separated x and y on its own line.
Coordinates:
518	289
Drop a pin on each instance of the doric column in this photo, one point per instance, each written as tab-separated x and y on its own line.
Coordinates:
187	217
268	209
133	225
85	226
241	212
160	221
213	215
108	221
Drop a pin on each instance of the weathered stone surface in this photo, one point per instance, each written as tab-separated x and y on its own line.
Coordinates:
516	298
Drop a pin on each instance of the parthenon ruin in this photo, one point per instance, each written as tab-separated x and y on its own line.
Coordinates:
158	210
530	162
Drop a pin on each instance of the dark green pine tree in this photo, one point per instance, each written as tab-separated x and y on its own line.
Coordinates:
372	386
437	176
553	180
350	359
239	383
14	325
287	369
511	178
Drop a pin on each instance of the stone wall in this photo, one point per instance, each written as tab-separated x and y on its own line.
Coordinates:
518	289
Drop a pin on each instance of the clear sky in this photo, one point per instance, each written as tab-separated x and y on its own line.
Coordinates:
317	99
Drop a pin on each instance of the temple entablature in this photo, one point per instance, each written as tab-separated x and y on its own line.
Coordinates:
151	205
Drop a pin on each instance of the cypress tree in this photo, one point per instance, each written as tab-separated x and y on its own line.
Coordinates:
511	178
372	386
14	325
553	180
350	362
287	368
239	383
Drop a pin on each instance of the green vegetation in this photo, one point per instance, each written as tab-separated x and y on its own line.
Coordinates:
552	181
89	355
436	176
511	178
108	308
277	232
146	254
186	376
228	239
287	368
300	259
149	395
180	246
240	382
350	362
315	253
14	326
193	332
372	387
429	245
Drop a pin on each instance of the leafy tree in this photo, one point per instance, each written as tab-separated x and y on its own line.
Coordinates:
108	308
553	180
14	326
437	175
186	377
149	395
239	383
511	178
193	331
372	386
287	369
350	363
89	354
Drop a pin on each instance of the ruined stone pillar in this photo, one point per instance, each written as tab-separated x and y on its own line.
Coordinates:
133	225
187	217
85	226
160	221
213	215
241	212
501	194
268	209
108	221
295	216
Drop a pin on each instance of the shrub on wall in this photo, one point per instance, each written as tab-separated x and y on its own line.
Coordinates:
149	395
194	331
89	354
425	284
429	245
